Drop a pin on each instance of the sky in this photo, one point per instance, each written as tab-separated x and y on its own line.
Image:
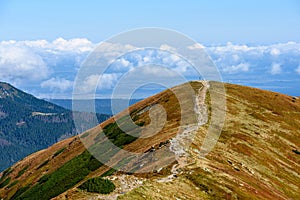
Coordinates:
213	21
43	43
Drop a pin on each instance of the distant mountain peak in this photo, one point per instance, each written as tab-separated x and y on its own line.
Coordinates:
5	90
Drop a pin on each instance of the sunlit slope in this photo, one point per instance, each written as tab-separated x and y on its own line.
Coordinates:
256	156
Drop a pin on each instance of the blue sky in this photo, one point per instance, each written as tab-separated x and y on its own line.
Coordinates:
43	43
255	21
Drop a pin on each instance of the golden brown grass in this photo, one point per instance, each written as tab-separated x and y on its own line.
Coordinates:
254	158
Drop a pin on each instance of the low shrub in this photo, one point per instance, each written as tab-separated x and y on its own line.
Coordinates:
59	152
13	184
64	178
5	182
98	185
22	171
43	164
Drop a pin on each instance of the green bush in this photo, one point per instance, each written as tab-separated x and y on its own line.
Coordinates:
98	185
141	123
58	152
64	178
5	174
19	192
116	134
109	172
43	164
13	184
5	182
22	171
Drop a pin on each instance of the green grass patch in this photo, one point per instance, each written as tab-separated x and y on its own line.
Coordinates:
109	172
43	164
203	180
5	182
117	134
5	174
64	178
206	182
19	192
59	152
98	185
141	123
22	171
13	184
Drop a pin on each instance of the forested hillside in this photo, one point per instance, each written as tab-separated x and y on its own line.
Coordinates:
28	124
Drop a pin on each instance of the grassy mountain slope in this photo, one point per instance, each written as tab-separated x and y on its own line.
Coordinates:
28	124
256	156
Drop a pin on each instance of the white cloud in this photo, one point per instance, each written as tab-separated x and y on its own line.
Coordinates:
104	81
41	62
229	47
196	46
146	59
286	47
20	64
42	44
298	70
242	67
273	49
107	81
167	48
60	84
124	62
275	52
235	57
158	71
171	59
275	68
33	61
232	57
113	50
77	45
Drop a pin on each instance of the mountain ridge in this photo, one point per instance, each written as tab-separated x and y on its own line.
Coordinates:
255	156
7	91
